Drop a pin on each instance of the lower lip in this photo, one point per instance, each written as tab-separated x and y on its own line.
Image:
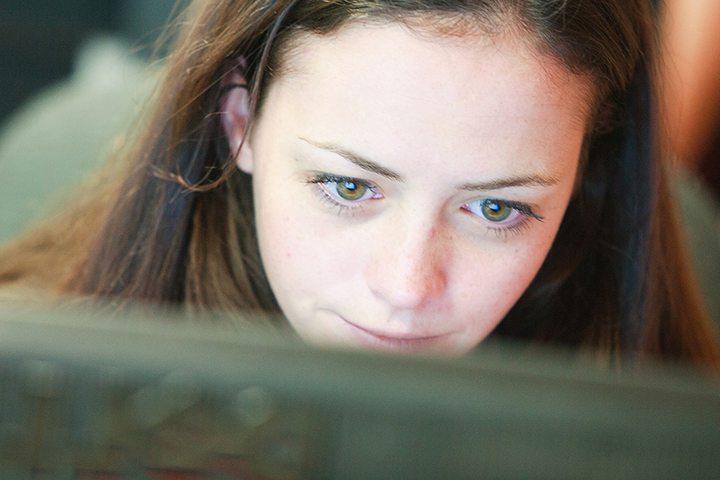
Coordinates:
374	341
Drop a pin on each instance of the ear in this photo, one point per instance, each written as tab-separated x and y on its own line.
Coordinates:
235	113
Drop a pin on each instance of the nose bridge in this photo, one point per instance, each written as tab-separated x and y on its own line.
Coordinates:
408	268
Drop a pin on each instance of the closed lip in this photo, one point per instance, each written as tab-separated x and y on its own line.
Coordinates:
389	336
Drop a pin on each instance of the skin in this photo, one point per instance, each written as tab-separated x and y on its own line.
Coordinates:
412	265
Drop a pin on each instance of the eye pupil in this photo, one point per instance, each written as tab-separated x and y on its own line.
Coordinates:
348	190
495	211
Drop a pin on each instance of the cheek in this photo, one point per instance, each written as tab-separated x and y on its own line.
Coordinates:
306	254
489	281
287	250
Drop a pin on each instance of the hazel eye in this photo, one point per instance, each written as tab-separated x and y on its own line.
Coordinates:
344	192
350	190
502	217
495	211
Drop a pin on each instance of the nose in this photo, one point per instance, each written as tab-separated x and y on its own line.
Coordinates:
407	269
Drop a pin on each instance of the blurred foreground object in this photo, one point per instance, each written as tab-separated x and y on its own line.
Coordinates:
92	398
691	84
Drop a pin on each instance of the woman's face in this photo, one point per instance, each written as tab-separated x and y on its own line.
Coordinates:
409	186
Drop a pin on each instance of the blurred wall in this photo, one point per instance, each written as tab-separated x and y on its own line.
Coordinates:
690	77
39	38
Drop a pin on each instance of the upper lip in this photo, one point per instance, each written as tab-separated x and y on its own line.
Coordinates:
391	335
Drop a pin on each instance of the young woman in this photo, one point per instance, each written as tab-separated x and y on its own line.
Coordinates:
410	175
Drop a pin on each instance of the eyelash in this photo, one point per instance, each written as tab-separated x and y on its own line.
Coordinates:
319	181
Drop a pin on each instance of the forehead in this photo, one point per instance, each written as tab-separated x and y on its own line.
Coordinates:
395	92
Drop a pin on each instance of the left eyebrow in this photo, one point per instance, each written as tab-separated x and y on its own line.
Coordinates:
520	181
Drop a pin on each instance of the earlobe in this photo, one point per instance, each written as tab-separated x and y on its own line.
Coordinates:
235	114
244	158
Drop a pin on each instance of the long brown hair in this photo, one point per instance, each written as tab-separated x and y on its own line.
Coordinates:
174	223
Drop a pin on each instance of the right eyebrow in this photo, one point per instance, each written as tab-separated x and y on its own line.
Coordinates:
357	159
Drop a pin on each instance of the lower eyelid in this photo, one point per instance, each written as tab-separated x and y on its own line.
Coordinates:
324	197
521	222
328	199
516	229
323	190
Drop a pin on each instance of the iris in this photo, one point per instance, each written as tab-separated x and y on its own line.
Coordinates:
350	191
495	211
